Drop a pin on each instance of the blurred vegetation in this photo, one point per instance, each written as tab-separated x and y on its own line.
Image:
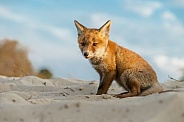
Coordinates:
45	74
14	61
182	77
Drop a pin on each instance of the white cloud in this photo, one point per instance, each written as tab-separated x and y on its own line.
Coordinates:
173	26
6	13
169	65
167	15
144	9
13	16
98	19
60	33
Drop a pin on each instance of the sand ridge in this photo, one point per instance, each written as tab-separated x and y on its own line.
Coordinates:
31	99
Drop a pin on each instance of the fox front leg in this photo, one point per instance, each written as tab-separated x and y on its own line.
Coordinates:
105	82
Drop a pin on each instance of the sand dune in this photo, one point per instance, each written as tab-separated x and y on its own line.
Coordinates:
31	99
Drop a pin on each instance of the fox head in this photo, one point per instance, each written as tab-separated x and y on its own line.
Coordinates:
93	42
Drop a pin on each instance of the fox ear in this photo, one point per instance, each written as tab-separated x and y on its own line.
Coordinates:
105	29
80	27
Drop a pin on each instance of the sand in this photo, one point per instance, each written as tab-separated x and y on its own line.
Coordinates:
31	99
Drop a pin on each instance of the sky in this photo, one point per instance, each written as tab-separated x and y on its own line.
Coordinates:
152	28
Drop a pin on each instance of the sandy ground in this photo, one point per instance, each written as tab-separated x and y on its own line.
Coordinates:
31	99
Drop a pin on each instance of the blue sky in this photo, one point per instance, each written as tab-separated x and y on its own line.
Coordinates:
152	28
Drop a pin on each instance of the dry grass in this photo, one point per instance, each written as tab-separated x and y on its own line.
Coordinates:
14	60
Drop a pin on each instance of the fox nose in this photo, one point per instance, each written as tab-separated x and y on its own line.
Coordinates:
86	54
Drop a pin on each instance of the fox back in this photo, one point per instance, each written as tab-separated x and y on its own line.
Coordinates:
114	62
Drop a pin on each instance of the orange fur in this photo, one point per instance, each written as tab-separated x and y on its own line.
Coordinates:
114	62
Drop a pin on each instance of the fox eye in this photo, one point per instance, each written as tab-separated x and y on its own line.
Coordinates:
82	44
95	44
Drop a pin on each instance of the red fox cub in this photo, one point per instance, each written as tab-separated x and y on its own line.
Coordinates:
114	62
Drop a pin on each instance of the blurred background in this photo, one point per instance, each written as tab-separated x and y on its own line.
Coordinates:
38	37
